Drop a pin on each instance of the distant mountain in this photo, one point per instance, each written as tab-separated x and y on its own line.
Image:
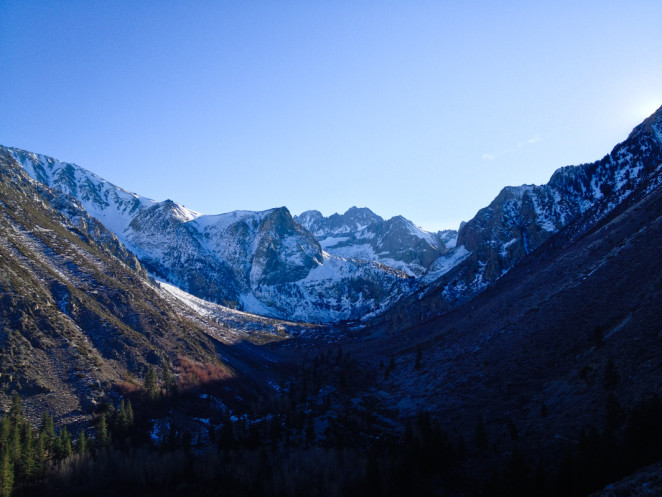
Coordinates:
261	262
520	219
361	234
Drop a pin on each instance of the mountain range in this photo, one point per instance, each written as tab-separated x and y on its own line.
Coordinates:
267	262
527	321
351	266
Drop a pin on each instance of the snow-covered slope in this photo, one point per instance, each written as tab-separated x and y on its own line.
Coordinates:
363	235
110	204
261	262
520	219
349	266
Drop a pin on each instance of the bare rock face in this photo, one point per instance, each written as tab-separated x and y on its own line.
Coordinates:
285	251
356	264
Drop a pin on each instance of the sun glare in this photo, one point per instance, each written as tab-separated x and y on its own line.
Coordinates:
645	107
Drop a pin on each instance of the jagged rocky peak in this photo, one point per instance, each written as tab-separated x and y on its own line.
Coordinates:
360	217
354	219
360	234
309	219
285	251
403	241
652	125
160	217
448	238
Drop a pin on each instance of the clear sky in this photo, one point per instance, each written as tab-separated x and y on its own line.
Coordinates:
420	108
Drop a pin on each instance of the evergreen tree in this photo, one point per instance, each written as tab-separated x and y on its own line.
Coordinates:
27	462
150	383
16	409
81	445
39	455
47	432
129	413
123	421
63	446
6	475
167	380
14	443
5	430
102	437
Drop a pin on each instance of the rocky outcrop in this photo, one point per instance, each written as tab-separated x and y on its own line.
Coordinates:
362	235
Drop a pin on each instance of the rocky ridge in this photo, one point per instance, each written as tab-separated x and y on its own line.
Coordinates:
361	234
79	314
520	219
261	262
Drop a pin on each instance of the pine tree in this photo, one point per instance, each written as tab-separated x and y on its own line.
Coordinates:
123	421
47	432
166	378
5	430
65	442
81	445
150	383
129	413
27	463
6	475
62	444
14	442
102	432
16	409
39	455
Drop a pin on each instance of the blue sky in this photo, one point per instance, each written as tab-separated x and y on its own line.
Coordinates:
424	109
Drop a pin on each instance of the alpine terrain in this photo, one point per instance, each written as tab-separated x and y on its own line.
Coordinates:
261	262
168	352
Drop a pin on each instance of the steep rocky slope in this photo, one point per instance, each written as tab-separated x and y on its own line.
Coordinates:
77	311
522	218
356	265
